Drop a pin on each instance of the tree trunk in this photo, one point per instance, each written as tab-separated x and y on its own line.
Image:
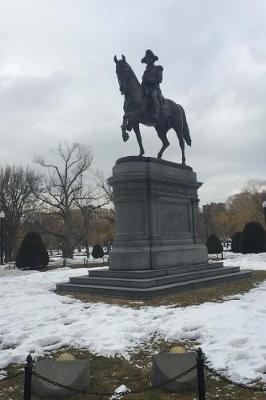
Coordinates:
67	251
67	248
87	248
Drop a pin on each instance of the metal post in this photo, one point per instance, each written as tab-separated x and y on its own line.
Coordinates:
27	379
200	374
264	209
2	241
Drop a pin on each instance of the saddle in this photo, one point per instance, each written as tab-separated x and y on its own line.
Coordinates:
163	109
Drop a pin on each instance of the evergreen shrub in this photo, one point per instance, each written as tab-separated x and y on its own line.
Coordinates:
253	238
214	245
97	251
32	252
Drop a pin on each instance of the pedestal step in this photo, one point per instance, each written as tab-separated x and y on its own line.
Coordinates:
144	288
153	273
151	282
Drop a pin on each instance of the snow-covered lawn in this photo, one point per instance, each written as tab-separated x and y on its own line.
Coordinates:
253	262
35	319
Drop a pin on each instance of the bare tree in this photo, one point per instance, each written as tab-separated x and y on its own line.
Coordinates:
18	188
256	190
106	191
104	186
89	206
241	208
63	189
246	206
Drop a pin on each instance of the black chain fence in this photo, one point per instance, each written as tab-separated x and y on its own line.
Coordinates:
251	386
200	366
102	394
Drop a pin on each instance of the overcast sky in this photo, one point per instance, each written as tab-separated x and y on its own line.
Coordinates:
58	81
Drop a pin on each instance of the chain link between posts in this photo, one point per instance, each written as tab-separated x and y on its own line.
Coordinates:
102	394
236	384
146	389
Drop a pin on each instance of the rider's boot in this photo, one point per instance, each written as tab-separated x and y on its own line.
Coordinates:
156	107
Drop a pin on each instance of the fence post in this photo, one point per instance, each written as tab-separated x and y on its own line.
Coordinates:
200	374
27	379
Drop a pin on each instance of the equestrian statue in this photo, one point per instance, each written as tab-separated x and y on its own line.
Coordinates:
145	104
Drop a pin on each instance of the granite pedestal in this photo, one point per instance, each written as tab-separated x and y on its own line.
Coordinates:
156	215
156	248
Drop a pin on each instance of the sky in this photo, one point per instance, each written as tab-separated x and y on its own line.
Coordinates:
58	81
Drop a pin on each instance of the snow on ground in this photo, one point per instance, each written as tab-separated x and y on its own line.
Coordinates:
246	261
76	260
37	320
9	270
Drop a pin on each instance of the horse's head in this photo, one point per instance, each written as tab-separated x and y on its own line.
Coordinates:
122	69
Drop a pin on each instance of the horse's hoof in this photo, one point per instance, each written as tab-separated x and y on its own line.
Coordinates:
125	136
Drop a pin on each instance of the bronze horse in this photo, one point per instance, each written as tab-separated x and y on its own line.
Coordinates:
172	115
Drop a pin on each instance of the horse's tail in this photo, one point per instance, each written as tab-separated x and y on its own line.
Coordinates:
186	134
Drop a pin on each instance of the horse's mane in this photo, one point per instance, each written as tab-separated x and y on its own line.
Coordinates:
133	74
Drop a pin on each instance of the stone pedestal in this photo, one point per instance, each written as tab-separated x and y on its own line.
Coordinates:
156	215
156	249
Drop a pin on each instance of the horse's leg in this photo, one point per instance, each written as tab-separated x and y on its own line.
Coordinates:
182	147
162	131
177	125
125	135
138	136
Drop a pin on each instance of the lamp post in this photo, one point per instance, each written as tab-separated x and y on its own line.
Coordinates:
264	208
205	223
2	216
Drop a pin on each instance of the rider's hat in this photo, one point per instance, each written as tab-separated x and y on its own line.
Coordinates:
149	56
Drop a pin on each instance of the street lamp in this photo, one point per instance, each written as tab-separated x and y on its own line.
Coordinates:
264	208
2	216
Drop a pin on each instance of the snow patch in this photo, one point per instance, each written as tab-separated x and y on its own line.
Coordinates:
34	319
254	262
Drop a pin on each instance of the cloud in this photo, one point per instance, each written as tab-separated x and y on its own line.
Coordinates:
57	81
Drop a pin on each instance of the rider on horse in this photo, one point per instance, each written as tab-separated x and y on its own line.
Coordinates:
151	80
138	97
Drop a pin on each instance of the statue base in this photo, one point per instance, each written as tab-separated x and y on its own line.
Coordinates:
156	206
156	249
